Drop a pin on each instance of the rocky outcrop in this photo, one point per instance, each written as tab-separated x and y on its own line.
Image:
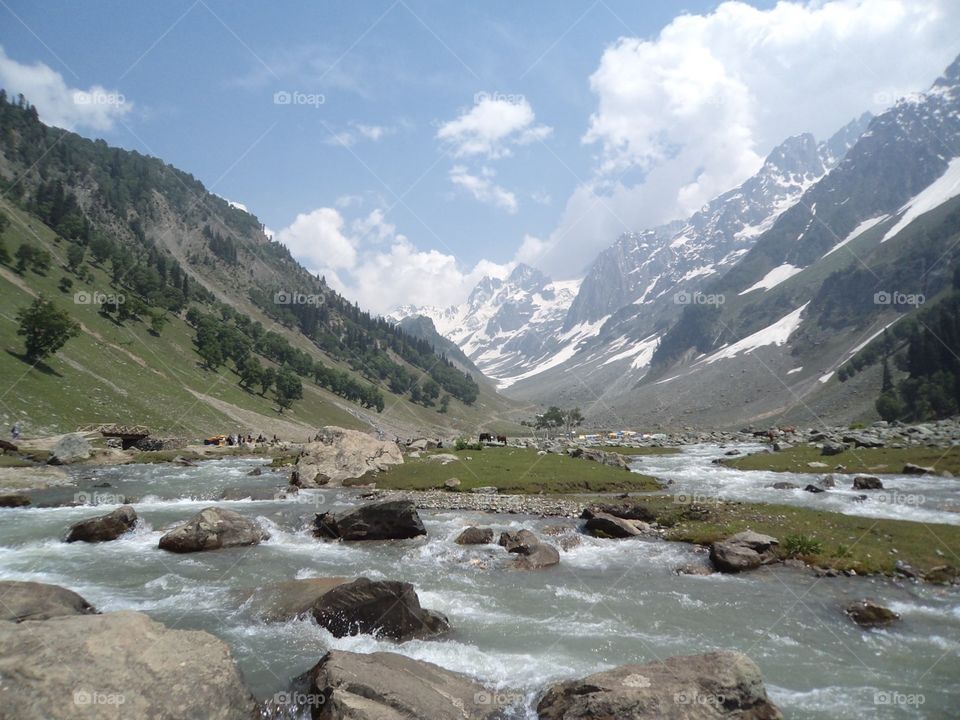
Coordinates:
911	469
868	614
387	686
607	526
282	601
698	687
600	456
103	528
867	482
532	554
14	501
388	520
119	664
383	608
211	529
626	511
339	454
744	551
475	536
70	449
39	601
519	541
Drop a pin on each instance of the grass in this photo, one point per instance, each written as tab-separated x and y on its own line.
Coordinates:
628	450
873	460
11	461
511	470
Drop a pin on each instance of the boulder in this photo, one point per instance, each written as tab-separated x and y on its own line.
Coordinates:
627	511
744	551
442	458
911	469
608	526
13	501
475	536
832	448
388	520
282	601
70	449
784	486
827	481
868	614
520	541
39	601
867	482
103	528
451	484
699	687
694	569
539	556
120	664
339	454
815	489
383	608
211	529
388	686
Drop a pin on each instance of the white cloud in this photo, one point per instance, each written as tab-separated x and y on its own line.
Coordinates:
357	132
317	239
483	188
491	126
694	110
95	108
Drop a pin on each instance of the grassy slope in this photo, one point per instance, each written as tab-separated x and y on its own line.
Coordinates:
512	470
873	460
114	373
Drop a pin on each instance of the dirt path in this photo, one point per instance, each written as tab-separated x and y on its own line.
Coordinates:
252	421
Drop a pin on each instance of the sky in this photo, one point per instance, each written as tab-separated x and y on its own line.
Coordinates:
407	148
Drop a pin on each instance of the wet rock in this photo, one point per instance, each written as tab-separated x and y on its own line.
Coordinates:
69	449
282	601
715	685
340	454
744	551
539	556
783	486
389	686
815	489
827	481
388	520
911	469
120	664
103	528
475	536
942	575
731	453
868	614
39	601
607	526
627	511
867	482
14	501
256	472
694	569
520	541
211	529
383	608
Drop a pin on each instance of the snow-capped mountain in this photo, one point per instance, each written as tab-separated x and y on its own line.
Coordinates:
506	327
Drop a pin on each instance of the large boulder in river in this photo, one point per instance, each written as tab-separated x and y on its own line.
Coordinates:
698	687
383	608
869	614
282	601
607	526
388	520
103	528
70	449
120	664
340	454
38	601
475	536
539	556
520	541
744	551
388	686
211	529
867	482
627	511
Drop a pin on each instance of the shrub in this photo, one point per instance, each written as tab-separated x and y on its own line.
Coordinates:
799	545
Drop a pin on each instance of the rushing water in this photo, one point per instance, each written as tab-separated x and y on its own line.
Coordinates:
606	604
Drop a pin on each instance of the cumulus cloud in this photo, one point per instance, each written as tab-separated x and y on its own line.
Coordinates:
95	108
491	126
357	132
693	111
483	188
368	261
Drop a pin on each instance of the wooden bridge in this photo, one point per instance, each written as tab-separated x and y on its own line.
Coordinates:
129	434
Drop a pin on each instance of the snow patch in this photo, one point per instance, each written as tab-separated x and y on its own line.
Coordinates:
944	188
857	232
776	334
773	278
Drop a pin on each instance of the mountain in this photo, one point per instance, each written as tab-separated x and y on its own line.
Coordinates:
188	313
508	328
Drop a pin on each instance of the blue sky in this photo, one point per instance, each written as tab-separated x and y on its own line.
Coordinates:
452	134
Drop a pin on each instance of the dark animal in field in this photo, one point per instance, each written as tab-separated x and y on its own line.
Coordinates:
486	437
7	446
502	439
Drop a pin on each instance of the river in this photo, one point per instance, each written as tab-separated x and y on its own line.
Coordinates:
606	604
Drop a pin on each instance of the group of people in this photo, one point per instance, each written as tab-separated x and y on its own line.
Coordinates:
237	439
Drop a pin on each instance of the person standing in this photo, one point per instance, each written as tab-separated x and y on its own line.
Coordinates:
15	431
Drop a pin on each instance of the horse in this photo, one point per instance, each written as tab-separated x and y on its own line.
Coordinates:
502	439
486	437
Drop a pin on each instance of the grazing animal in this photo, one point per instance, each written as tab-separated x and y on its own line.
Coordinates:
502	439
486	437
5	446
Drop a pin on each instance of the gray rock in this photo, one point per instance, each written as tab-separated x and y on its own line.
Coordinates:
388	520
452	484
699	687
815	489
784	486
282	601
120	664
911	469
867	482
340	454
868	614
746	550
475	536
539	556
608	526
211	529
39	601
832	448
103	528
520	541
70	449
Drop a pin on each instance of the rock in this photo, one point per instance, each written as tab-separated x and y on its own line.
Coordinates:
867	482
715	685
520	541
256	472
443	458
383	608
211	529
832	448
817	465
186	462
103	528
868	614
70	449
388	520
827	481
744	551
814	489
282	601
694	569
942	575
39	601
781	446
783	486
120	664
539	556
389	686
13	501
452	484
911	469
731	453
485	490
475	536
608	526
627	511
341	454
